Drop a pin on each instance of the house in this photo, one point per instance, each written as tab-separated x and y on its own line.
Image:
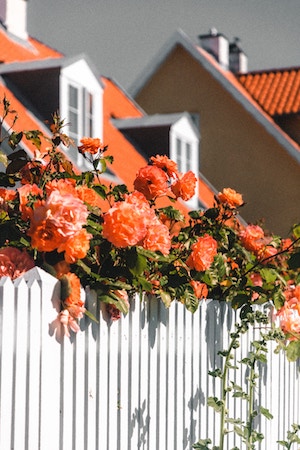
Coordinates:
248	121
39	81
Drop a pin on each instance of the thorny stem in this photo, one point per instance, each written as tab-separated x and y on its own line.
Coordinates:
233	344
250	403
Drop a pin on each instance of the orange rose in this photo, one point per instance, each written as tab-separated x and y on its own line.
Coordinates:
200	289
152	182
73	302
157	238
14	262
203	253
44	236
89	196
166	164
7	195
230	197
24	192
185	186
252	238
77	246
90	145
126	223
63	186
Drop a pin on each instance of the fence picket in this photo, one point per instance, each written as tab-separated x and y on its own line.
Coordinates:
7	370
139	383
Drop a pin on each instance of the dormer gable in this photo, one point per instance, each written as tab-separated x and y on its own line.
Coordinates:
175	135
69	86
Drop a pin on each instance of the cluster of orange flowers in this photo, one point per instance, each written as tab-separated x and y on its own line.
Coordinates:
63	214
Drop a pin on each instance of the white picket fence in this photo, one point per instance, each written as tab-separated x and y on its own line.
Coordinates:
139	383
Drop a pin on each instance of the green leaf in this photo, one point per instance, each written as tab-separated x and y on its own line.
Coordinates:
142	284
220	265
34	137
191	301
202	444
283	443
136	262
239	300
90	316
265	412
240	432
115	300
278	299
3	159
14	139
234	421
293	351
296	231
294	261
166	298
172	213
7	180
242	395
246	309
212	213
101	190
215	403
269	275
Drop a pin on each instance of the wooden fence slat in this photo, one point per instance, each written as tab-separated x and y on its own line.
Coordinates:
20	364
7	308
124	378
34	364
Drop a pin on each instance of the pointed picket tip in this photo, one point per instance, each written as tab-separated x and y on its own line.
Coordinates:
5	281
38	274
19	281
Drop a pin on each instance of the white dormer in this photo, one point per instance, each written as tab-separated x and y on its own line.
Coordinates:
184	149
13	14
81	102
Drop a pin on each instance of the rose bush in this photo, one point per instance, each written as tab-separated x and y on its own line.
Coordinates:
117	242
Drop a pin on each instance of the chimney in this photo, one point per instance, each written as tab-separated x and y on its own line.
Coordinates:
13	14
217	45
238	61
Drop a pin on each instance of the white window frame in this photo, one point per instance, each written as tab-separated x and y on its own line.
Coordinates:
184	132
79	76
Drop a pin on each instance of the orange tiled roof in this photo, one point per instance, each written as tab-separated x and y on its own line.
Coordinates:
276	91
12	50
26	120
116	104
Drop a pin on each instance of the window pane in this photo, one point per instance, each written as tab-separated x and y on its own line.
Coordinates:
73	119
73	97
189	164
90	103
88	116
179	156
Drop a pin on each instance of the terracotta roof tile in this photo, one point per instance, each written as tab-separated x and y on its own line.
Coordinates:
13	50
276	91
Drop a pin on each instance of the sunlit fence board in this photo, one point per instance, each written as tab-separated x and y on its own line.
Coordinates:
139	383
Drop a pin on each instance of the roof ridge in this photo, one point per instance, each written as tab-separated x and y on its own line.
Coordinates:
268	71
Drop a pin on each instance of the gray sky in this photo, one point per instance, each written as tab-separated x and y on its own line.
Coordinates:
121	36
